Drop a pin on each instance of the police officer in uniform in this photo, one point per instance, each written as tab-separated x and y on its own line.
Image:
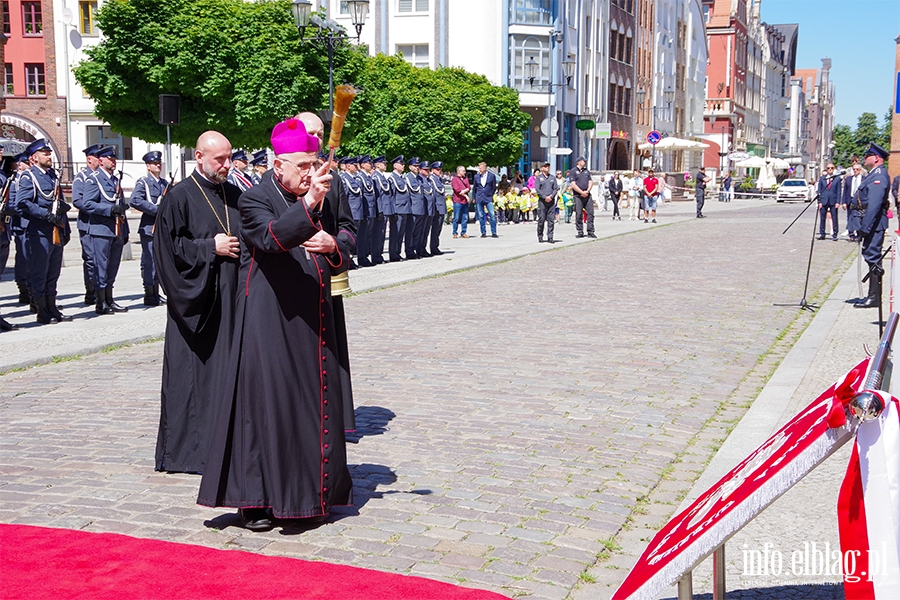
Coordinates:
260	164
384	207
18	224
87	261
415	232
236	175
402	218
148	191
39	201
353	187
108	228
440	206
428	194
365	232
873	198
5	234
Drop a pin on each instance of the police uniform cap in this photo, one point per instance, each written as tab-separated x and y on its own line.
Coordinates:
21	158
260	157
37	146
380	159
239	155
365	158
154	156
425	165
352	160
437	165
414	161
399	159
92	150
108	151
875	149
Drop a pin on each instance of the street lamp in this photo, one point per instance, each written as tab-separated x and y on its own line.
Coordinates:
723	151
531	68
329	33
668	97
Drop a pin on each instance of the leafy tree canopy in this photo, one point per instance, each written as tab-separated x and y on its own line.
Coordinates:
446	114
239	68
854	142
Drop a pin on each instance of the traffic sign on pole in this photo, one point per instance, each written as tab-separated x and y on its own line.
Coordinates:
653	137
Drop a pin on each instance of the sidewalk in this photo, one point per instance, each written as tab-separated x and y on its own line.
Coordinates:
35	344
806	516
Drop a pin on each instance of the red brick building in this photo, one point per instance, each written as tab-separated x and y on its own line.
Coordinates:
33	107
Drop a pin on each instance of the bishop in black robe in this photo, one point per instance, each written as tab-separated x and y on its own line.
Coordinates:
201	287
280	443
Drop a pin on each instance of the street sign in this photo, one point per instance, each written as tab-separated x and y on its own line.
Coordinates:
738	156
561	151
549	126
653	137
603	131
549	142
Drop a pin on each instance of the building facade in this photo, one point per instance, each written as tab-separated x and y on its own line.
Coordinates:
34	107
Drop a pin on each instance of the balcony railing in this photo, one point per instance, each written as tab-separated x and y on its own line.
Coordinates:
719	107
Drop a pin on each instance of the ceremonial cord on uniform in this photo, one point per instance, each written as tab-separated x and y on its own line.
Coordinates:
225	226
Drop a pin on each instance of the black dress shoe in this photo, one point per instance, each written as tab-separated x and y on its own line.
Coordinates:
551	241
540	240
436	252
366	263
591	235
580	235
821	237
869	302
424	254
484	235
255	519
494	235
6	325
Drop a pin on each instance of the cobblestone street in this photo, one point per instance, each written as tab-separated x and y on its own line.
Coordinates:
521	425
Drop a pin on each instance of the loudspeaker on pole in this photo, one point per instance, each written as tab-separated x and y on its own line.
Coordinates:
169	109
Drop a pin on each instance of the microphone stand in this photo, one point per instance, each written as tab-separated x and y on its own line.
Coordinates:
804	305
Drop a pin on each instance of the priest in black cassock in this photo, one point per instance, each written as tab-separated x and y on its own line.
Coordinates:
196	250
279	440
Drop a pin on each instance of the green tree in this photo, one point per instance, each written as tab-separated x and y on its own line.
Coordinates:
867	131
239	68
446	114
844	145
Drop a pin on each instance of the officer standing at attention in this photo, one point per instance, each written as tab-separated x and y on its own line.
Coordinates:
260	164
17	224
440	206
236	175
148	191
829	190
102	199
84	237
353	187
428	193
39	201
384	207
5	236
417	210
402	219
365	231
873	198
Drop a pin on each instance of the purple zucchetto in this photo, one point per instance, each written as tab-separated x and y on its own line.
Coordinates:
290	136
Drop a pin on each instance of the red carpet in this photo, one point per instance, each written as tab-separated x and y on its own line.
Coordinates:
38	563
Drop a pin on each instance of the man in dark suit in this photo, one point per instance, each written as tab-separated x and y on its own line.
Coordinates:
850	201
485	186
829	190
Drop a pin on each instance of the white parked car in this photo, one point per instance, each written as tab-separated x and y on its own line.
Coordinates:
793	189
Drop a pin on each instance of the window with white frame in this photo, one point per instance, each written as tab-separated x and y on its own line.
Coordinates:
415	54
105	136
523	49
343	8
530	12
412	6
34	80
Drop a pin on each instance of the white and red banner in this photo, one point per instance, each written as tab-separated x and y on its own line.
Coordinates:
781	461
869	509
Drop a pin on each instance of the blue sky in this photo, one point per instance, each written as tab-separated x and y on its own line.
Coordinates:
858	36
